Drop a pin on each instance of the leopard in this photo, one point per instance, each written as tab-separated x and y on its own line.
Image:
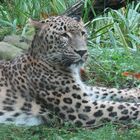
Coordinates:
43	85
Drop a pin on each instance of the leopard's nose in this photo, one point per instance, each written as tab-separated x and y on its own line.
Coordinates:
81	52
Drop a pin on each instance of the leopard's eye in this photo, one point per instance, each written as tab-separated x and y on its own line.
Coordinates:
42	21
83	33
65	35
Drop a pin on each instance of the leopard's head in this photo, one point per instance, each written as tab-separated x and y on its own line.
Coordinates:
60	40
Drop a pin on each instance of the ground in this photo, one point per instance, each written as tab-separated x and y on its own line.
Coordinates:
108	132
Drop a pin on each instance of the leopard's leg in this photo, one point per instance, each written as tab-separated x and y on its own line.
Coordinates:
83	110
95	113
101	93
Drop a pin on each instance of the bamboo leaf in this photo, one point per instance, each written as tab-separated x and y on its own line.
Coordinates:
122	37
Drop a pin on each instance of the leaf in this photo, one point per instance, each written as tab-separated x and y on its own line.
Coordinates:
5	22
127	73
135	38
131	74
112	39
122	37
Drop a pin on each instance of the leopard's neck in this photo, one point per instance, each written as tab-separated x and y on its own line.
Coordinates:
75	70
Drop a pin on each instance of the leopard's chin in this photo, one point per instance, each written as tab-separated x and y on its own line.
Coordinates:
78	65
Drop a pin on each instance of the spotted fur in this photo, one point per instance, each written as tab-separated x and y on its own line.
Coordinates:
44	84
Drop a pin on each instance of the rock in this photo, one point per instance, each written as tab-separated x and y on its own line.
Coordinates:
8	51
18	41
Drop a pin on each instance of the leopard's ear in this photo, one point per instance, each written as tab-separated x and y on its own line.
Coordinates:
77	18
35	23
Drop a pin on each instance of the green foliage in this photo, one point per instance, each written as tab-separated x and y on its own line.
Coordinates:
117	29
15	13
108	132
114	44
106	65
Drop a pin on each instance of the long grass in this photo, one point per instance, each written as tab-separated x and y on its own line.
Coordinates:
15	13
114	44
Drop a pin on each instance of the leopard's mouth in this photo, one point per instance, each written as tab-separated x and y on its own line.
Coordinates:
81	60
79	63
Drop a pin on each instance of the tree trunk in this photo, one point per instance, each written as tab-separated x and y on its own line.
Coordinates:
98	5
